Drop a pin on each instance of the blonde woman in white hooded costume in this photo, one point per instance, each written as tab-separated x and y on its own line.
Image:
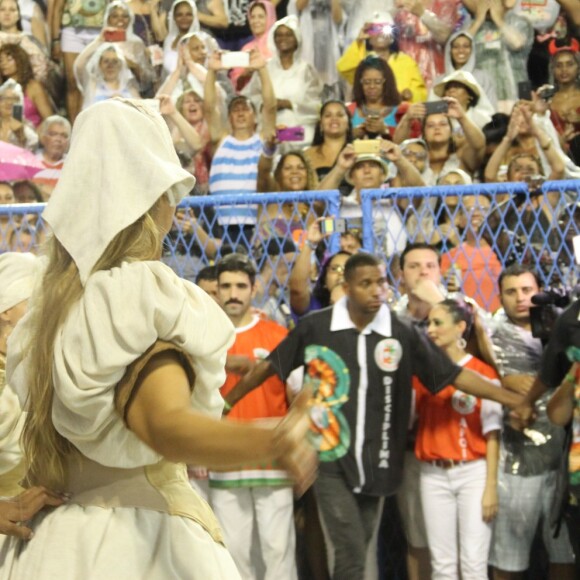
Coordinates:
123	361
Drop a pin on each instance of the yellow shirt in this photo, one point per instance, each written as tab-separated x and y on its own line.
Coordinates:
405	69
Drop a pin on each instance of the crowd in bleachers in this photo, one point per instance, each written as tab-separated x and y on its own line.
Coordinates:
303	95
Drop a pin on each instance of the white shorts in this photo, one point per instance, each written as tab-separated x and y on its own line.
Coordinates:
75	39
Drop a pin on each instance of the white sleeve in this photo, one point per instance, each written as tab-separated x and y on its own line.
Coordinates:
121	313
491	414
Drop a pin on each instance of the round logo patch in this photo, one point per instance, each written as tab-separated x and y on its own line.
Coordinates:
463	403
388	354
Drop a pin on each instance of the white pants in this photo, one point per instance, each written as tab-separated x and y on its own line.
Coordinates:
453	516
271	509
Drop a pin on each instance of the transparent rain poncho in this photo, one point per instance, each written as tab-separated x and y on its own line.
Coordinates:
538	448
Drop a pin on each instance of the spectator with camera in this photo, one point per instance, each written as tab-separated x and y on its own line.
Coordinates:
448	149
15	64
463	86
526	135
12	130
182	20
103	73
379	36
370	170
118	27
237	147
529	461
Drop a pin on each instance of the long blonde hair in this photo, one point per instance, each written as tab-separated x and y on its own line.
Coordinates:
45	450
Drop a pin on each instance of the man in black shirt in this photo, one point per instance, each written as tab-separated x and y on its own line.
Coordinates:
359	358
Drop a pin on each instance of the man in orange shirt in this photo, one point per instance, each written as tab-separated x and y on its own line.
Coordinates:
254	495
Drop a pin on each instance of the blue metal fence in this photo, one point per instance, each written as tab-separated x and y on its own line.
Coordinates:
479	229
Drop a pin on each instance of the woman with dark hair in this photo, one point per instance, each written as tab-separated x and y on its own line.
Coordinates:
15	64
292	173
296	84
332	133
375	99
379	37
458	446
565	105
11	32
327	290
448	149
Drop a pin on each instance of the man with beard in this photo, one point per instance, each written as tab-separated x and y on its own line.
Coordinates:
258	495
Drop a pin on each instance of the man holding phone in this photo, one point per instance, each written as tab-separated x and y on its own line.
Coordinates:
238	146
368	164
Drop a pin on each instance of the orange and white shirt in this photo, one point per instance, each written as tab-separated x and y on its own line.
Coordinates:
256	341
453	424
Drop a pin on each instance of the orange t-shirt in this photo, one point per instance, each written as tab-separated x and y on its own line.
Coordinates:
480	269
257	340
453	424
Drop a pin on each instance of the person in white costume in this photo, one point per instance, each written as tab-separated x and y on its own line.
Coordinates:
18	273
119	362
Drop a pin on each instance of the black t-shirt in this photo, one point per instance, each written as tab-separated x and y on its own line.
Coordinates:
362	390
566	333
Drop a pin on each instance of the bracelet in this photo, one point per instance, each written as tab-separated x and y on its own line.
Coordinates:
311	245
227	406
268	151
570	378
55	40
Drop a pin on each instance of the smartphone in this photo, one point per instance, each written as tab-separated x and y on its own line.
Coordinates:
17	112
235	59
331	226
290	134
117	35
365	146
380	29
525	91
546	93
436	107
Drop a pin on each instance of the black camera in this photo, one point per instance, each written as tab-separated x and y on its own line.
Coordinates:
548	307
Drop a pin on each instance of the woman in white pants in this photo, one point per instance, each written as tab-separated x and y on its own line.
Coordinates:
457	442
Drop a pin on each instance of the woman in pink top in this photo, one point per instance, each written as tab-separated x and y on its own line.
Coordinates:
261	17
15	64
